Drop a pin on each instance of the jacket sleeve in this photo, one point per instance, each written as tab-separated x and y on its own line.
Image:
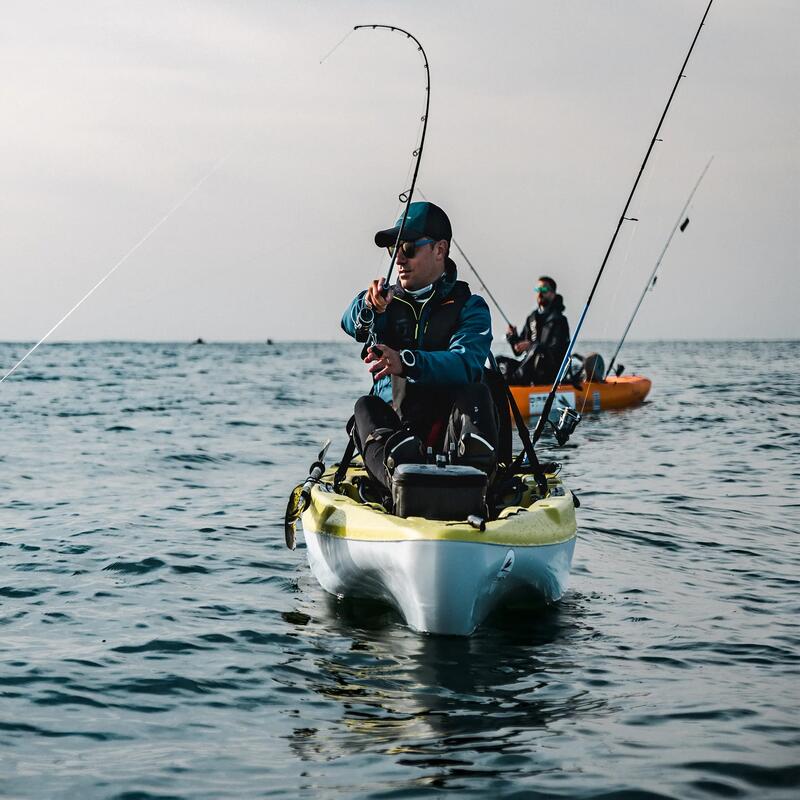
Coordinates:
350	316
467	352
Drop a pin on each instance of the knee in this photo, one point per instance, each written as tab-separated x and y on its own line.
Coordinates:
367	404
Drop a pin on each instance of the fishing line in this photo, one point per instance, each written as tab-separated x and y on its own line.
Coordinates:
548	405
475	271
336	46
679	223
120	262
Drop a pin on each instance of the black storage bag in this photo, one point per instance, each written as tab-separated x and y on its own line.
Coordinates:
451	492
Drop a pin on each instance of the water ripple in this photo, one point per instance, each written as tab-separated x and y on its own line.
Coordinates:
160	642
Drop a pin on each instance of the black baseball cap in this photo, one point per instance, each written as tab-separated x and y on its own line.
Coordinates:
424	219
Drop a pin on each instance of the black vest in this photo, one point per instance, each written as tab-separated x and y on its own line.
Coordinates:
419	405
403	318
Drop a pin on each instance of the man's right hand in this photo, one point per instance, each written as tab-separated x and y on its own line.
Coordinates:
375	296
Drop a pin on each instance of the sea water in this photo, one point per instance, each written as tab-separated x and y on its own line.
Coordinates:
159	641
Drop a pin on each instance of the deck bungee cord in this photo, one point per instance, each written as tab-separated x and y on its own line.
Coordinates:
569	418
681	223
119	263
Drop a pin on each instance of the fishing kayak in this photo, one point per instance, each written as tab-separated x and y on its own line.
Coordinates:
613	392
444	577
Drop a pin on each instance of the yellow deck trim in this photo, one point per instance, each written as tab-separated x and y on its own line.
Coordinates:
549	521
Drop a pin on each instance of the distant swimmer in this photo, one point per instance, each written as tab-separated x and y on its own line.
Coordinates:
543	341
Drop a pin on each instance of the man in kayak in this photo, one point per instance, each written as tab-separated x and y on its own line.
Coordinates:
433	337
543	342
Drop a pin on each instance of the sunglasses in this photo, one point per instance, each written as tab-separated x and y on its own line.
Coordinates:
409	249
542	289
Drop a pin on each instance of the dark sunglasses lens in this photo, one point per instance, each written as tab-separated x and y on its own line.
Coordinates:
409	249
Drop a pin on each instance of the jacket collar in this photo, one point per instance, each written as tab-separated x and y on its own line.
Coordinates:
442	287
556	307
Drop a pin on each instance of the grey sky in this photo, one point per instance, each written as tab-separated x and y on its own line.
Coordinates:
541	113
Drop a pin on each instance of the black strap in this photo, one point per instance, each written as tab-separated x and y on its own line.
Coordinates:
524	434
347	456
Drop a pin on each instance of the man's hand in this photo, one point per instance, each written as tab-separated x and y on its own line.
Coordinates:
387	363
375	296
522	347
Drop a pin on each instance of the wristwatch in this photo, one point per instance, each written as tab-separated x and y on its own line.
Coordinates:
408	358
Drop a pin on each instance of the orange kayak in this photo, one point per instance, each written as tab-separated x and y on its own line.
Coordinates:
627	390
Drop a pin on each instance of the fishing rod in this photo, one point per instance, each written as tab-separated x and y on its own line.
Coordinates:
477	275
365	322
682	222
366	318
568	421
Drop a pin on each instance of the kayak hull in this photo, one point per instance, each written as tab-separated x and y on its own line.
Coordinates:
444	577
614	392
440	587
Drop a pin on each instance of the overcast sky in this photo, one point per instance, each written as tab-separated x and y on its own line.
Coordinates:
541	111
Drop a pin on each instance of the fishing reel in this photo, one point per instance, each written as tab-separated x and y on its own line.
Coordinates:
565	427
364	322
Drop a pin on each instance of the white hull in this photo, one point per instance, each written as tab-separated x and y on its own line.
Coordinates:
444	586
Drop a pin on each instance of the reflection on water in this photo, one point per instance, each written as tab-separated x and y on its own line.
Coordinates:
418	697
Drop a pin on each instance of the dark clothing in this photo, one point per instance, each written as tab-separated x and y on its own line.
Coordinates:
405	314
548	331
469	432
449	348
440	400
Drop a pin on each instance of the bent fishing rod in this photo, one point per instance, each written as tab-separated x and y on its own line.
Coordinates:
543	419
682	222
365	324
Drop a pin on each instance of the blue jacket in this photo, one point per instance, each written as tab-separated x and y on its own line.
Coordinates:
467	351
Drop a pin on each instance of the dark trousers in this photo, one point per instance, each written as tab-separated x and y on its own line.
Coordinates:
467	428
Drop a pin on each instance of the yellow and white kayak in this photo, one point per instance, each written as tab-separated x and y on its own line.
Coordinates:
444	577
613	392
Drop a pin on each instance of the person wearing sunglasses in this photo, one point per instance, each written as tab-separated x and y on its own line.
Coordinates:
543	341
433	338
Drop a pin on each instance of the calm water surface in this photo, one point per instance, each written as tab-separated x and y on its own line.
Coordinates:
157	640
